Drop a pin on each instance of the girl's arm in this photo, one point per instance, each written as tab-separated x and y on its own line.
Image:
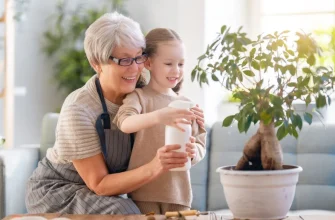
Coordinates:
130	118
168	116
197	145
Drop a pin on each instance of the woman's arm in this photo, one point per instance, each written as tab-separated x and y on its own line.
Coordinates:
98	180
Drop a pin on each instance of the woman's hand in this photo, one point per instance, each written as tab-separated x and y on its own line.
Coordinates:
173	116
191	148
167	158
199	113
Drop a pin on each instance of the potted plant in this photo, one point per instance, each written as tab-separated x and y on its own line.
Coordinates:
266	75
63	41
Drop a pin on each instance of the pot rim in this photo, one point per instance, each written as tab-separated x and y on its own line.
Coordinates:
288	169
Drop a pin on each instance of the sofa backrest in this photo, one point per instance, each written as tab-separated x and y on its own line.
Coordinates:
48	137
314	151
2	196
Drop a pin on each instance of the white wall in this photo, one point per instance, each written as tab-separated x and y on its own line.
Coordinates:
34	72
195	20
187	18
233	13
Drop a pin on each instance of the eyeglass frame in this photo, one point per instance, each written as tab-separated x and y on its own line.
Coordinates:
118	61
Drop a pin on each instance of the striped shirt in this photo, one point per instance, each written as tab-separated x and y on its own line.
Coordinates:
76	136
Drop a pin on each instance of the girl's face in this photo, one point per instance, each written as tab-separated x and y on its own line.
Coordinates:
116	80
166	66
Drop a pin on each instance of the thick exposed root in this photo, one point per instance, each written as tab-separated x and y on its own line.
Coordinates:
251	159
271	152
262	151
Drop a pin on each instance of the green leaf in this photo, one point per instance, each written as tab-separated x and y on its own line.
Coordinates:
278	123
276	101
239	76
241	124
228	121
306	70
193	74
321	101
214	78
252	53
223	28
245	62
290	52
282	132
248	73
306	81
308	117
202	57
299	121
308	99
294	132
255	65
292	69
311	60
248	123
203	77
292	84
266	118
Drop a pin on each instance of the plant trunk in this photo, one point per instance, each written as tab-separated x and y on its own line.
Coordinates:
262	151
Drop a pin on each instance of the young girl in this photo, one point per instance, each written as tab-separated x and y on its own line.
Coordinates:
145	112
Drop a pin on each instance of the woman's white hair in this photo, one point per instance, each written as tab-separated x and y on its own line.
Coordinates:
109	31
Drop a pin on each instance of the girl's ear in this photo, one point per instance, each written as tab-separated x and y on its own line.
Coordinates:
147	64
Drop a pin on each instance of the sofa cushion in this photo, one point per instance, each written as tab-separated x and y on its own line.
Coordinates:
48	138
199	178
2	184
19	164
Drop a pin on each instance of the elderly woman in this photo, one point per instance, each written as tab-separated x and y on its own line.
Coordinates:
85	171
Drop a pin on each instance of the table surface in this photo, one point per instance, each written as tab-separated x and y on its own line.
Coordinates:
155	217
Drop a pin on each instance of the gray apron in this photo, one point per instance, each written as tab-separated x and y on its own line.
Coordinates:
59	188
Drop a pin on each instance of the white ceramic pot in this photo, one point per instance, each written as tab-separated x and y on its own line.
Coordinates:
259	194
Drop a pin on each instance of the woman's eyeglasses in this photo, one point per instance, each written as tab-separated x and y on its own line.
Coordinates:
129	61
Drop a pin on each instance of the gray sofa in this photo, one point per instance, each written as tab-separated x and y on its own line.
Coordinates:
314	151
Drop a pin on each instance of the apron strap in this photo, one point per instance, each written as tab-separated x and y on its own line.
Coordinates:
102	122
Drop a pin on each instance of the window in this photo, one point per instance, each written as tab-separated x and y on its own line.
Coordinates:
305	15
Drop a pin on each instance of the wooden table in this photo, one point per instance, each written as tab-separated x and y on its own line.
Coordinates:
155	217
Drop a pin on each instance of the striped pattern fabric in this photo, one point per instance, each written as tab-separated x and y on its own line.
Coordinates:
55	185
76	137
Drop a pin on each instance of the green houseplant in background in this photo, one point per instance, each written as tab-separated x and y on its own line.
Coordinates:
266	75
64	42
326	39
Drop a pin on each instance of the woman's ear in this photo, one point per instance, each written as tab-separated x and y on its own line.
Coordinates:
97	68
147	64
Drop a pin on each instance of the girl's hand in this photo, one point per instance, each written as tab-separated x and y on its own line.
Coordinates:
191	148
199	113
173	116
167	158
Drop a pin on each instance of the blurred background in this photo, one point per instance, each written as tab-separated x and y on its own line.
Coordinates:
42	58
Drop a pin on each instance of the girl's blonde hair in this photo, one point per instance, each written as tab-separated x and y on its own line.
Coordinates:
157	36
